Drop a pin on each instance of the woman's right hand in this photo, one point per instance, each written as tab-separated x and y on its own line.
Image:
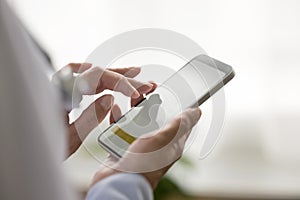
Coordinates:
152	155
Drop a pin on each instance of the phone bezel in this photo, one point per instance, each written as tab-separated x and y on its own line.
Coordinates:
229	74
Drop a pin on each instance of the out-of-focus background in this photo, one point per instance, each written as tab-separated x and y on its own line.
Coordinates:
258	155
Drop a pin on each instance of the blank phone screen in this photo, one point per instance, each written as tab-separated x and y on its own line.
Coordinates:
179	92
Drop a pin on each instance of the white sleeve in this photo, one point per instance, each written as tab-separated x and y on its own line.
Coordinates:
31	125
121	186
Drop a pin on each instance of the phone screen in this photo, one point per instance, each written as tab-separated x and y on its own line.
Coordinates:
180	91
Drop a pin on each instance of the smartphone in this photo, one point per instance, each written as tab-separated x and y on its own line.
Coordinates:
189	87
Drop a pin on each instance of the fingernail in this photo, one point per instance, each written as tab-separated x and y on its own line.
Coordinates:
148	87
107	102
135	94
153	83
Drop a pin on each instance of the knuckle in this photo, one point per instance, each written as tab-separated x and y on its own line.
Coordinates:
119	79
96	69
123	80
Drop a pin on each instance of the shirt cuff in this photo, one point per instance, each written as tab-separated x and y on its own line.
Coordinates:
121	186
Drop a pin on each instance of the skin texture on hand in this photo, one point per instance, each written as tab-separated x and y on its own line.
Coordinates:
98	80
171	139
168	142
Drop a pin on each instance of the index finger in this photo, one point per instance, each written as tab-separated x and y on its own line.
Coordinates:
99	79
129	72
136	101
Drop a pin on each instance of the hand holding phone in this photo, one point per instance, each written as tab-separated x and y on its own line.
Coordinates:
172	138
192	85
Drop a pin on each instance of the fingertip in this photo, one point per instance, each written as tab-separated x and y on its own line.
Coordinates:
154	85
148	88
135	94
196	114
106	101
115	113
197	109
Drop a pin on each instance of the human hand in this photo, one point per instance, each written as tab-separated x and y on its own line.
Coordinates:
98	79
152	155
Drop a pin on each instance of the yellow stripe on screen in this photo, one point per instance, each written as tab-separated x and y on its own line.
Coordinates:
123	134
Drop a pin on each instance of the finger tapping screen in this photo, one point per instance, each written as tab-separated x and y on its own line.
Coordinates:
178	92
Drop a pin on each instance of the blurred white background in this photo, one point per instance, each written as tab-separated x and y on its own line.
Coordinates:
259	152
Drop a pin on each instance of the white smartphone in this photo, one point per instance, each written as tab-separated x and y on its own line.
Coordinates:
189	87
